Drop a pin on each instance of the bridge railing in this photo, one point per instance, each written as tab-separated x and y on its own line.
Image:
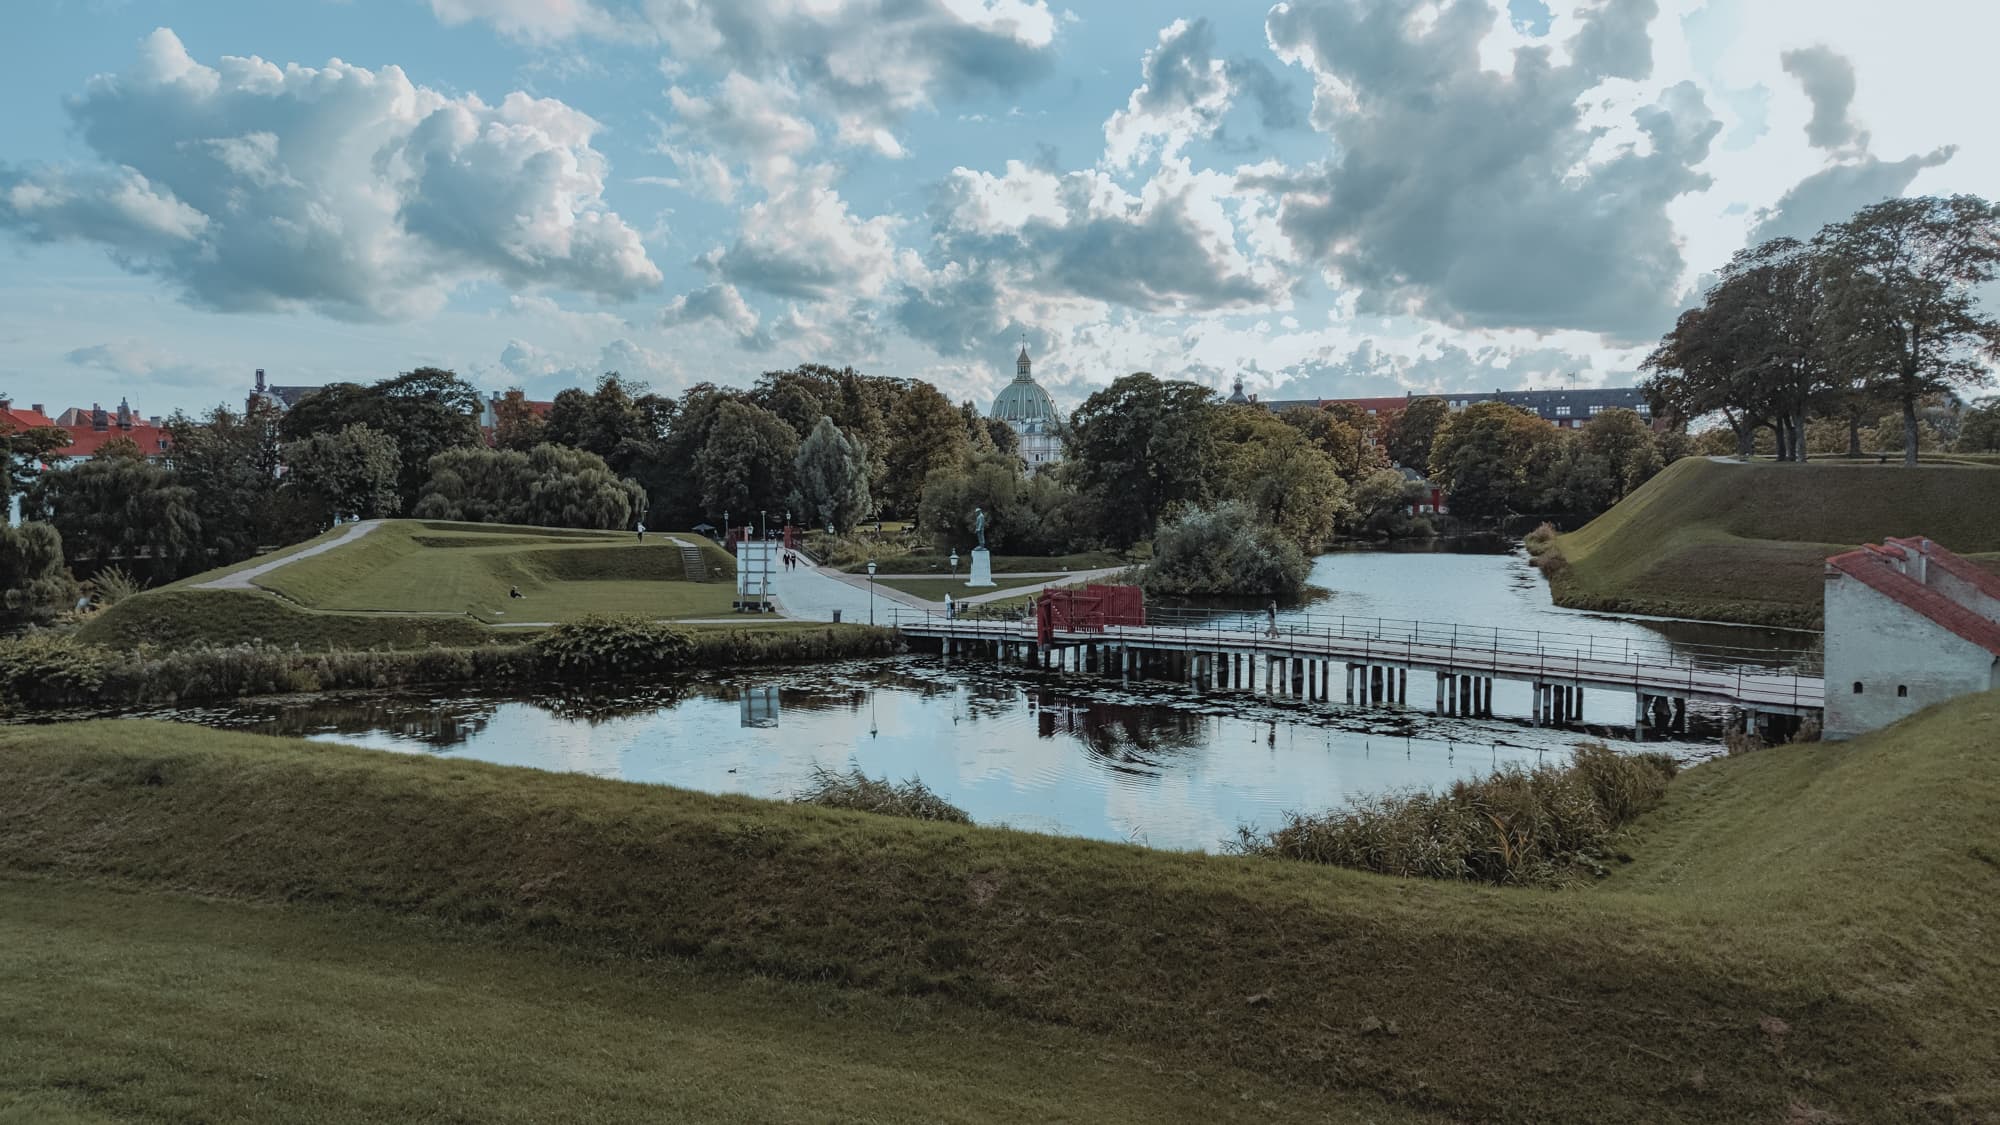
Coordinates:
1774	673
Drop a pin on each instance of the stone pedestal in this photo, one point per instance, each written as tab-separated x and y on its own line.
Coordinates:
982	568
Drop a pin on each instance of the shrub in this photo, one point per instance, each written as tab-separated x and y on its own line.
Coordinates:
1541	536
48	670
856	790
1225	550
113	585
614	643
1518	827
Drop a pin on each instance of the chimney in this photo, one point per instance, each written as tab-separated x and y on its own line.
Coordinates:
37	408
98	419
124	414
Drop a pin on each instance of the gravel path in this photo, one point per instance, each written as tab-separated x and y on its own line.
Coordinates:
241	579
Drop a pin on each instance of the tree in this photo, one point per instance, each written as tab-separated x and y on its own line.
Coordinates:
349	474
1290	483
1384	503
1902	306
620	422
1225	550
33	581
1624	443
673	489
746	466
118	506
230	461
24	455
1354	453
1140	447
516	426
571	488
423	412
1408	437
926	434
1483	455
1981	431
830	479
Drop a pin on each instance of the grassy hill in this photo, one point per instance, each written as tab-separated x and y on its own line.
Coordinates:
443	582
1805	934
1745	542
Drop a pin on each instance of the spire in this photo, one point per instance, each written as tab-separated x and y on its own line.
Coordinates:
1237	395
1021	363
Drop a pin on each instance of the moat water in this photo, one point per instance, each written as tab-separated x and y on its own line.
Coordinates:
1149	762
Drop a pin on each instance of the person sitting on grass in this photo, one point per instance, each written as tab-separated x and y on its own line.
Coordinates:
515	592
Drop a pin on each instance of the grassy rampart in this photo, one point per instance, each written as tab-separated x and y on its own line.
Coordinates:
1746	542
1806	933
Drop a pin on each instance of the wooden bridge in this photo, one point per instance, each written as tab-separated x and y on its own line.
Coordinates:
1370	661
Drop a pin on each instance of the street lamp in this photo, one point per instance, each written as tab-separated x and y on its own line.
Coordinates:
954	564
871	591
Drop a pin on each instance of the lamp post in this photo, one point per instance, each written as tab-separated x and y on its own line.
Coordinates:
954	564
871	591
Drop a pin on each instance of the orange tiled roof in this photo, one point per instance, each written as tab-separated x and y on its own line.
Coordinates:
1875	567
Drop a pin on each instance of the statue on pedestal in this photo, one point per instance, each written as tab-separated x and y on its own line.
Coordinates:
979	526
982	561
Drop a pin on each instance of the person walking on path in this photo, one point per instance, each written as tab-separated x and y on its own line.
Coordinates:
642	531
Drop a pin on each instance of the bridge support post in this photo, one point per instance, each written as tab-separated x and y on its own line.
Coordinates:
1403	685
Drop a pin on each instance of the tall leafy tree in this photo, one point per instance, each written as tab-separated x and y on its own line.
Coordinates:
1980	432
621	422
1354	453
1141	446
1624	445
1902	303
830	479
673	488
548	486
424	412
746	466
926	434
516	426
1408	435
1483	457
119	507
351	473
230	461
1286	480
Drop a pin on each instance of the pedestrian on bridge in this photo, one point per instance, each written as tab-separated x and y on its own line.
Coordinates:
949	609
1273	611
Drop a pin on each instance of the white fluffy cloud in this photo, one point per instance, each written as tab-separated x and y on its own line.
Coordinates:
722	303
353	192
804	242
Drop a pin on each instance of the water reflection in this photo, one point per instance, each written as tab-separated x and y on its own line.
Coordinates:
1148	761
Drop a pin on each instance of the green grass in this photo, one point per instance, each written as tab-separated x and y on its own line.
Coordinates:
411	583
1746	542
934	589
147	1007
1805	930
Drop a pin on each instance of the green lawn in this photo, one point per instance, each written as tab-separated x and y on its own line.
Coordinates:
145	1006
1746	542
1803	934
934	589
442	581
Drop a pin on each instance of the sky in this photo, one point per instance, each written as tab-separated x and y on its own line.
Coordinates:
1322	198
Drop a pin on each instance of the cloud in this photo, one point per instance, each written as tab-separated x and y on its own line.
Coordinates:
868	63
751	122
1368	370
1171	248
1184	92
803	242
542	373
1838	190
1828	79
724	304
1479	198
349	191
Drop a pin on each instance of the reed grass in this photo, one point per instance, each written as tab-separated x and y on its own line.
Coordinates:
855	790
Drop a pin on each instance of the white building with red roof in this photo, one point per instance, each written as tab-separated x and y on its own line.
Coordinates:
1908	624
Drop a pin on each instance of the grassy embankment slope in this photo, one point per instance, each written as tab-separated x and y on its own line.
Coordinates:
1746	542
1805	931
410	583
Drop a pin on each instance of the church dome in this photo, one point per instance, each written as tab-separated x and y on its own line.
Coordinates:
1023	400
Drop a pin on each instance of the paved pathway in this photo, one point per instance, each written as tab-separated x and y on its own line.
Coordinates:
242	579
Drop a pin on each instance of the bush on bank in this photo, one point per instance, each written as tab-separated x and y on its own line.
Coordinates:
46	671
856	790
1225	550
1535	827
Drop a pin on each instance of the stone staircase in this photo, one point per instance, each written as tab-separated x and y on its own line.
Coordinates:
692	563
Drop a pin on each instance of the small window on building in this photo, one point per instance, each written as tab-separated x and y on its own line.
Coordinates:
1902	691
1596	409
1857	687
1643	409
1562	411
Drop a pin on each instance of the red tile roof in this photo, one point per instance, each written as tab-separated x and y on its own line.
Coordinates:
1875	567
20	418
85	441
1979	578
